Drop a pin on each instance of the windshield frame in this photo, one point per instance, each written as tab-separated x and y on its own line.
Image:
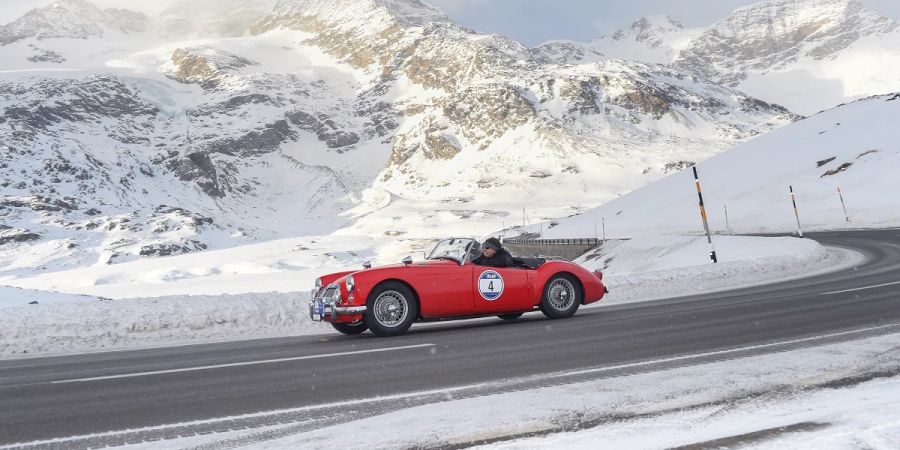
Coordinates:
468	245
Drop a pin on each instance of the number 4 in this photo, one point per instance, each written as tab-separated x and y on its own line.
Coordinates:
491	286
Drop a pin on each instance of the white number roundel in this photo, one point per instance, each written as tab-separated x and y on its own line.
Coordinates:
490	285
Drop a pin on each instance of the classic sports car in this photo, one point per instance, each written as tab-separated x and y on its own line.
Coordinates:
387	300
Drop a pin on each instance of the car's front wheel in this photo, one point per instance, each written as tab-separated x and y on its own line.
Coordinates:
350	328
391	309
562	297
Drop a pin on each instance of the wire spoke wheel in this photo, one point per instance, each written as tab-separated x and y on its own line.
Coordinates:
561	294
390	309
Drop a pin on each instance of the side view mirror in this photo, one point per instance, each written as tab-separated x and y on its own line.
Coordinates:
407	261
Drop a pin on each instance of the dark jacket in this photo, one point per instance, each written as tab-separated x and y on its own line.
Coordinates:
500	259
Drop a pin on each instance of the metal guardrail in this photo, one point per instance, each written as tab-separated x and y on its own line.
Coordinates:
580	241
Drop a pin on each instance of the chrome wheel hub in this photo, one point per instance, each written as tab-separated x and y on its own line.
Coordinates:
390	308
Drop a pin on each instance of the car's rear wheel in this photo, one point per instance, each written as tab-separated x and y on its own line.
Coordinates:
562	297
391	309
512	316
350	328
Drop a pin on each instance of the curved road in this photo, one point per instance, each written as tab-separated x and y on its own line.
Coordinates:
316	381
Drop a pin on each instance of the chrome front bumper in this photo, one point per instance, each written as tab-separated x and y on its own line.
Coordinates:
321	307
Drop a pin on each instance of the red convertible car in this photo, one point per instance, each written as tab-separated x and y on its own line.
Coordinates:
387	300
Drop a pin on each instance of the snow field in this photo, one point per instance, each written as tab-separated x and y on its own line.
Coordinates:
852	147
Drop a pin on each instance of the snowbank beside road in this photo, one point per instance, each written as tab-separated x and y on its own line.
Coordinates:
141	322
652	268
640	269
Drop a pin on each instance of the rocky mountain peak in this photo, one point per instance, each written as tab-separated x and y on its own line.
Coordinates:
362	33
793	21
79	19
776	33
231	18
646	27
350	13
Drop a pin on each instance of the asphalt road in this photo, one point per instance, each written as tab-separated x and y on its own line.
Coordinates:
316	381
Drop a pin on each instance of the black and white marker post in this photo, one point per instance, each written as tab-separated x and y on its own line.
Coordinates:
712	249
796	212
841	196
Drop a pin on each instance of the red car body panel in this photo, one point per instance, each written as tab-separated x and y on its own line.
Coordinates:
446	289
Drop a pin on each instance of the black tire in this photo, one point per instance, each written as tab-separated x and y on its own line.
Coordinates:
391	309
562	297
512	316
350	328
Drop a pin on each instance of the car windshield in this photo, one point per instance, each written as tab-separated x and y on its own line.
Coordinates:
457	249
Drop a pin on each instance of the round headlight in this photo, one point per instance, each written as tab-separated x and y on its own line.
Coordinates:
350	283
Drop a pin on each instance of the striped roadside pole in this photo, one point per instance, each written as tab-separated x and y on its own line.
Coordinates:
841	196
727	225
712	249
603	222
796	212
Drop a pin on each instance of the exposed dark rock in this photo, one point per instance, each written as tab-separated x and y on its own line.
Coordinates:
677	166
17	236
43	55
266	140
840	169
171	249
54	101
326	129
199	168
194	218
825	161
867	153
233	103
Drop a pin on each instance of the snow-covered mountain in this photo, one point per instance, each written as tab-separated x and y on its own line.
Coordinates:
78	19
852	148
378	116
652	40
807	55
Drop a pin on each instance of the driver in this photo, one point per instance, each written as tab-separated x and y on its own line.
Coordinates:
493	254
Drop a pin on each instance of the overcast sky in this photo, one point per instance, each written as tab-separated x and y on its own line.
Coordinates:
528	21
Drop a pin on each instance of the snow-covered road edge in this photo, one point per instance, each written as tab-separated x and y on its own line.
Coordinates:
628	288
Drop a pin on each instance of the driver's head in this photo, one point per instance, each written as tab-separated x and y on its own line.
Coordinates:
490	247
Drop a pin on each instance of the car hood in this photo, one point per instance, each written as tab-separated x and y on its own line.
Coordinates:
426	263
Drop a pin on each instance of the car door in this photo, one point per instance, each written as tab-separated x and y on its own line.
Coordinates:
499	290
444	289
